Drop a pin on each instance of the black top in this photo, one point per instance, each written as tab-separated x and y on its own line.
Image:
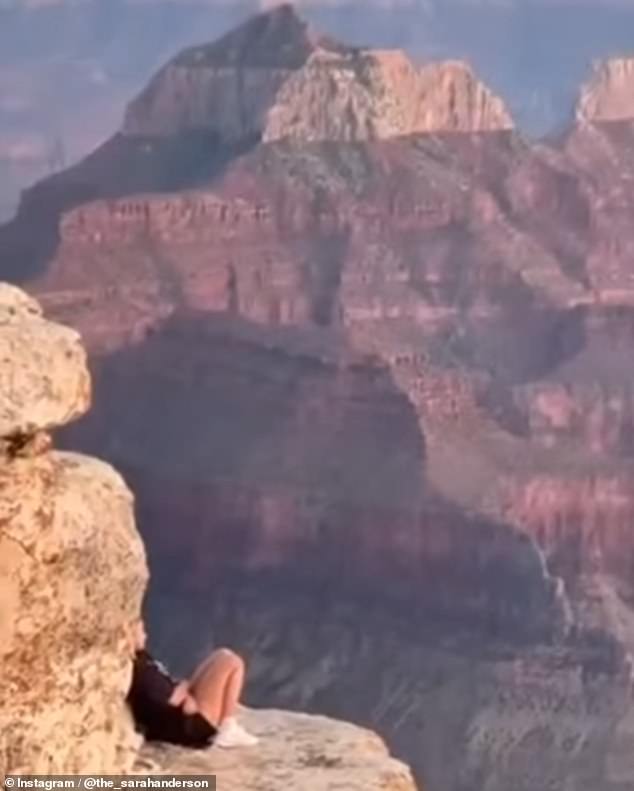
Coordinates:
151	688
154	716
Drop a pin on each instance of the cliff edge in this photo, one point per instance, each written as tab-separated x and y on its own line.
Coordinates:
72	576
296	751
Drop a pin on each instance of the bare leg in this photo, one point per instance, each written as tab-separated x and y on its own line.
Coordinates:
216	685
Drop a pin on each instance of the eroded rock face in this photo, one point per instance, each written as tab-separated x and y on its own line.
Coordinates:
378	95
72	566
43	376
609	93
275	78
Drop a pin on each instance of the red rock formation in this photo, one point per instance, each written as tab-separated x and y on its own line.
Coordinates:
395	369
421	274
276	78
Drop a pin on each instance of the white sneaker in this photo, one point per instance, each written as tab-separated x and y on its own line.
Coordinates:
232	734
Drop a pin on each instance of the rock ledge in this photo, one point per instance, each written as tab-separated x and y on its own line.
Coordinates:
297	752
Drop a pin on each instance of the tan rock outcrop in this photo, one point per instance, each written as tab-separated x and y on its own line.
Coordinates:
375	95
72	566
297	752
44	381
451	98
276	78
609	93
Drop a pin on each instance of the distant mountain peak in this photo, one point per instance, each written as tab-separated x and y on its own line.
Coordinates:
277	38
274	77
608	95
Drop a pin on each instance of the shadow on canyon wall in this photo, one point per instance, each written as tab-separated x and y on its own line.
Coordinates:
249	454
121	166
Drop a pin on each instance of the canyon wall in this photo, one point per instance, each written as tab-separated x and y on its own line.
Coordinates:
44	81
403	484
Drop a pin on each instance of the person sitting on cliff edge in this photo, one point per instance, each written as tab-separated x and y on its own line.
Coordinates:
194	712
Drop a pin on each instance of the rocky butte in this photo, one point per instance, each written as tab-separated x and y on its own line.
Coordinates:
369	374
276	78
72	575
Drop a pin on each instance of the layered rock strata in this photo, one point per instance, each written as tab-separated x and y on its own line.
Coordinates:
405	365
276	78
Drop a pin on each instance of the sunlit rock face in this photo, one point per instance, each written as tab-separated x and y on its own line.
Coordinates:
43	81
373	392
72	566
276	78
607	95
43	377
